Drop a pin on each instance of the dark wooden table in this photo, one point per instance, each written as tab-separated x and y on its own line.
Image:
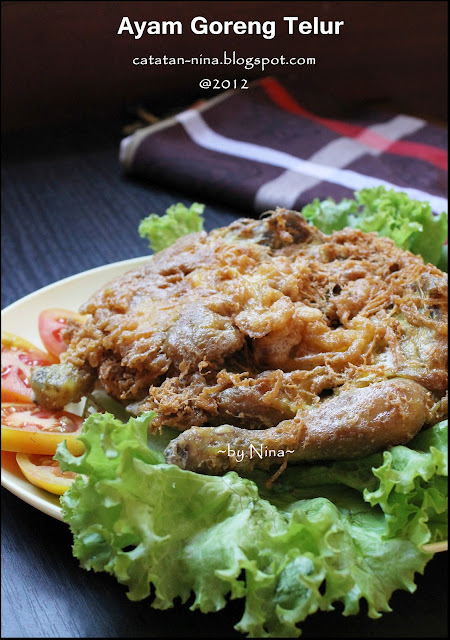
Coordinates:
66	208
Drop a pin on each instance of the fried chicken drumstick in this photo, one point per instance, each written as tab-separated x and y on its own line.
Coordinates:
267	333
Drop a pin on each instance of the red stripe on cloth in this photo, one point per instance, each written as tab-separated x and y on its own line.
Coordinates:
278	94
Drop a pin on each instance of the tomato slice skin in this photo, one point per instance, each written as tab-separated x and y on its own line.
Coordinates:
18	357
44	472
28	428
51	324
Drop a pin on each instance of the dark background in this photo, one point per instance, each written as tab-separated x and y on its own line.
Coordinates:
68	88
63	61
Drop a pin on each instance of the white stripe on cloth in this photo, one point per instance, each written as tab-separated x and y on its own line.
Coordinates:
205	137
130	144
287	187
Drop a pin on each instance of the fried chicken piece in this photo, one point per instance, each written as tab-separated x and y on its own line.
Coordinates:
357	422
260	325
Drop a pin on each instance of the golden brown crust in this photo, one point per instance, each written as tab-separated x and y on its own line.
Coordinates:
355	423
254	323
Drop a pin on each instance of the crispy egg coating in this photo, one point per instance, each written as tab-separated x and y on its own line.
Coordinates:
268	332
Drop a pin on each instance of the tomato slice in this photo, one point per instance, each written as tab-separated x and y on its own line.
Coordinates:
29	428
9	461
44	472
18	356
51	324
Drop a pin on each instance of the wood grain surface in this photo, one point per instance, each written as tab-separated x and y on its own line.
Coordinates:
66	208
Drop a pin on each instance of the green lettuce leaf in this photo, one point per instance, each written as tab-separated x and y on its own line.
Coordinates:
162	231
409	223
323	533
328	215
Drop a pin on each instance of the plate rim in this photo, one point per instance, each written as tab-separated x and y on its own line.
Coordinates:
37	498
34	496
68	279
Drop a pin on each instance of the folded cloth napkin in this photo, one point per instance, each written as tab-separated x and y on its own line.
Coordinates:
258	148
